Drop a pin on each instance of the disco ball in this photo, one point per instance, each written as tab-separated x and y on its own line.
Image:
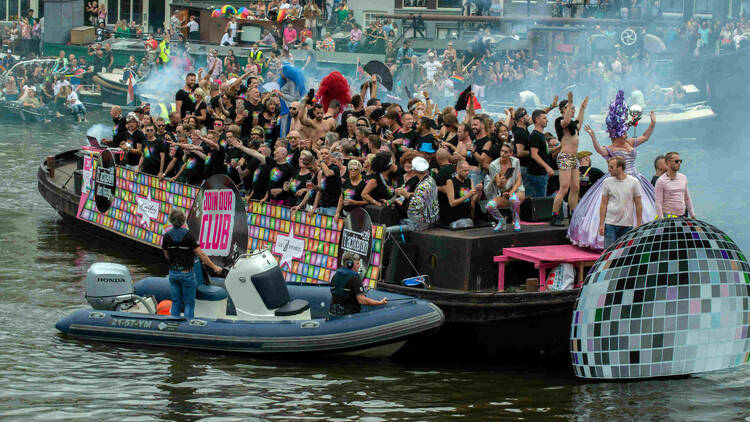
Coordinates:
672	297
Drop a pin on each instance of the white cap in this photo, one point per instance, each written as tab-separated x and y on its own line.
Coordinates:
420	164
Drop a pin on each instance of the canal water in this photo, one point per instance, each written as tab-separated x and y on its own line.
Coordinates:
46	377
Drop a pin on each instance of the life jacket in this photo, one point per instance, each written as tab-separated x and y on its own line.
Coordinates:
338	283
181	256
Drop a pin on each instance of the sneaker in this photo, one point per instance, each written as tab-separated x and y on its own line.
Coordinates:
556	221
499	227
517	226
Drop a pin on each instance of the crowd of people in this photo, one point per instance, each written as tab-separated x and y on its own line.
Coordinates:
44	88
319	153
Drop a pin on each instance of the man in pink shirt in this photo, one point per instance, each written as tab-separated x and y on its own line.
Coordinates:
672	196
290	34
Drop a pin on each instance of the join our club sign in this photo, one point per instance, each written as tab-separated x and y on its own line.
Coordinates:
218	219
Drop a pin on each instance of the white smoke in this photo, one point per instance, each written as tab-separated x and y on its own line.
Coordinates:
100	131
161	85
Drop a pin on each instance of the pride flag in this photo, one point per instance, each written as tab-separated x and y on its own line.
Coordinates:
281	15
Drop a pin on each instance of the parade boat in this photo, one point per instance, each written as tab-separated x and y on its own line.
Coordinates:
482	319
113	90
252	310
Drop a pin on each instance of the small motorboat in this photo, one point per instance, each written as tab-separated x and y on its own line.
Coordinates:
252	311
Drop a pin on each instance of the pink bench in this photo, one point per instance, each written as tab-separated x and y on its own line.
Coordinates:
544	257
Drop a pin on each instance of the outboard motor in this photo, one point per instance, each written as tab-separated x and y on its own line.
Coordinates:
257	287
109	287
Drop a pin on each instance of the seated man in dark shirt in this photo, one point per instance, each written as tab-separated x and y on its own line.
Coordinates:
347	293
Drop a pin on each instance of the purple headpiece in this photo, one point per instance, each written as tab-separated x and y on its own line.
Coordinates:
617	117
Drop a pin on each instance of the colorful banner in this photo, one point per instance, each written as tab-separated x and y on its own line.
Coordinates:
140	207
307	247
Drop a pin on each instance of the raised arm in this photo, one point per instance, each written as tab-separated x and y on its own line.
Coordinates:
600	149
647	134
568	112
581	111
553	105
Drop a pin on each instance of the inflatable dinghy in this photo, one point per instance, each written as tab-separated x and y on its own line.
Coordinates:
251	311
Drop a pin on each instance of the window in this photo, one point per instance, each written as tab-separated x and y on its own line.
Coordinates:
370	17
125	10
137	8
449	4
3	9
414	3
673	6
12	10
703	7
445	33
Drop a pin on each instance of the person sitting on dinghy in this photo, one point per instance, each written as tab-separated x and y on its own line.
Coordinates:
347	293
180	249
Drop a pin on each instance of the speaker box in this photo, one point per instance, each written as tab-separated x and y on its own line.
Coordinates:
386	216
398	264
537	209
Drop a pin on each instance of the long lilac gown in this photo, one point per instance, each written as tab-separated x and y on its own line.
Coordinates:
584	224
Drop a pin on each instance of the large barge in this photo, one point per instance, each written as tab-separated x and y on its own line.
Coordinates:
480	321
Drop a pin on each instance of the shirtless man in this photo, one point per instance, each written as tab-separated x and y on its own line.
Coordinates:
567	161
317	127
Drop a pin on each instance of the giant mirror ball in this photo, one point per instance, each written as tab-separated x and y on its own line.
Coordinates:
672	297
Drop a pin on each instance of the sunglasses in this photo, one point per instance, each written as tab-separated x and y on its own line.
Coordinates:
149	130
292	137
677	161
218	124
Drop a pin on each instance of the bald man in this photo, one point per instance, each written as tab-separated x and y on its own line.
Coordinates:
118	129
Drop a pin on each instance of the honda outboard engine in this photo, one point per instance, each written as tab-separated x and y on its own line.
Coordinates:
109	287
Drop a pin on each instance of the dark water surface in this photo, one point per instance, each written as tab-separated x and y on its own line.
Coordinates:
46	377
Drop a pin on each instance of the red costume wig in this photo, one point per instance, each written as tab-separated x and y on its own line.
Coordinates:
334	87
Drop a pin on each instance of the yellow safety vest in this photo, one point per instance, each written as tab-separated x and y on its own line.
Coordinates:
165	111
256	57
164	51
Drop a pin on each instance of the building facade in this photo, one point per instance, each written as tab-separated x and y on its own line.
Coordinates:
670	10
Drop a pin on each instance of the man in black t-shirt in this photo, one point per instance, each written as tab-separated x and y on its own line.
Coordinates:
279	175
118	128
521	122
446	170
180	249
347	292
540	169
153	159
132	142
183	99
248	116
329	187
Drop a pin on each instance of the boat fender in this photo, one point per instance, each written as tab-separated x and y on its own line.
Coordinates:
164	307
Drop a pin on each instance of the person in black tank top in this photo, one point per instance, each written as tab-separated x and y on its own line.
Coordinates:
462	194
180	249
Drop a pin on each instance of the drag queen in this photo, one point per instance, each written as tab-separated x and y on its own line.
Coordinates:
584	225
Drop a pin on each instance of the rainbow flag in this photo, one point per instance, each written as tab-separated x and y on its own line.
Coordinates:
281	15
457	78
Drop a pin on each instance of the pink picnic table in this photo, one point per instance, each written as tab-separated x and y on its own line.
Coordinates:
544	257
